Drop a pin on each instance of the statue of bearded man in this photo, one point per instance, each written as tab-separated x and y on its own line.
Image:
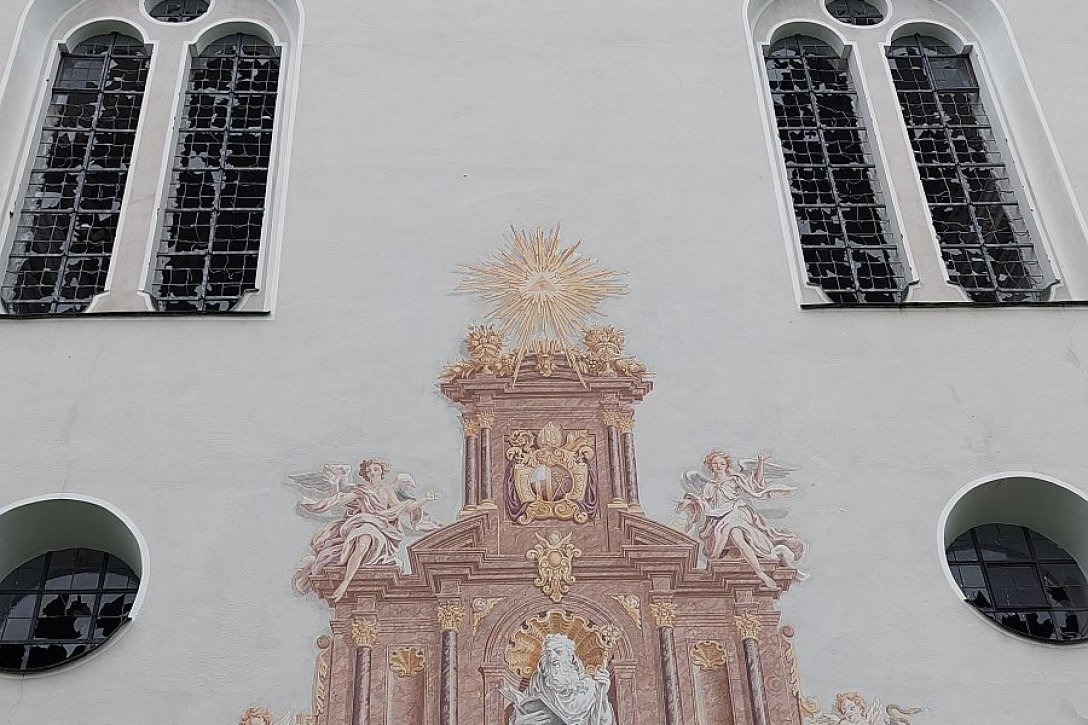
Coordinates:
561	692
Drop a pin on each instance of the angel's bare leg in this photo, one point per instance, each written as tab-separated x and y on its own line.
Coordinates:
355	560
737	538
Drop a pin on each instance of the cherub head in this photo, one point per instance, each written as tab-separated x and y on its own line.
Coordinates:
852	706
718	462
256	716
373	470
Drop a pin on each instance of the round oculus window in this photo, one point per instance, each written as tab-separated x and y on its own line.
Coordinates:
60	606
178	11
1023	581
855	12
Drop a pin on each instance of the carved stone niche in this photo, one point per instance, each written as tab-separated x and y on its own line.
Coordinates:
550	451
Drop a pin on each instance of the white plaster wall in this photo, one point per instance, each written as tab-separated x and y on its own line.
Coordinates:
424	129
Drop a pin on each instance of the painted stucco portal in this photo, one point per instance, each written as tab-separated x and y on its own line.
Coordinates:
554	599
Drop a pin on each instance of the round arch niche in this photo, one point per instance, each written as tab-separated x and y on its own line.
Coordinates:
34	527
1042	504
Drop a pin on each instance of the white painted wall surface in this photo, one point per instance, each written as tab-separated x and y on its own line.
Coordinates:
426	128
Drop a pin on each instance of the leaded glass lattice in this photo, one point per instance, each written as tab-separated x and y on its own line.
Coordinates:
178	11
984	237
66	228
62	605
213	223
847	242
855	12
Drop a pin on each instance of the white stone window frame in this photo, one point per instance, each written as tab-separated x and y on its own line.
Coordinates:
47	28
1048	505
30	527
1048	202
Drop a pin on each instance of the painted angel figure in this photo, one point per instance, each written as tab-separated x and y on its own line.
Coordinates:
851	709
718	508
369	527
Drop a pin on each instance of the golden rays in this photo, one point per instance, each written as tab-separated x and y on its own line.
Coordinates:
541	293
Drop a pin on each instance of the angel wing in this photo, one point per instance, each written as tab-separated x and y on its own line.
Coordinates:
332	478
822	718
404	486
694	482
771	471
896	714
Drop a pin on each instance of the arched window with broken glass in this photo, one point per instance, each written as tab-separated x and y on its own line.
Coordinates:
974	202
60	255
849	246
215	213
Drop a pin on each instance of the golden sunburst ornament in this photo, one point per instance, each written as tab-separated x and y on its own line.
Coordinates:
541	292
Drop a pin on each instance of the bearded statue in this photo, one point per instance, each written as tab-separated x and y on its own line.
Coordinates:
561	692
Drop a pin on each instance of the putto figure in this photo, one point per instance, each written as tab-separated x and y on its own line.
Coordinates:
717	507
851	709
561	691
369	528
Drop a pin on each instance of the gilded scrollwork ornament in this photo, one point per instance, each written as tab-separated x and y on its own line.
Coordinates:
632	605
481	608
554	559
551	475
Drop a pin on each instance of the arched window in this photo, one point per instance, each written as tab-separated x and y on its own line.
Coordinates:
848	246
985	241
60	256
211	235
1022	580
62	605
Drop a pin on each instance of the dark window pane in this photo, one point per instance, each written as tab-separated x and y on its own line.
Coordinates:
208	252
951	133
81	167
54	608
848	247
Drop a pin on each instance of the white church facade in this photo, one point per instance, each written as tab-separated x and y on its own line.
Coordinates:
374	363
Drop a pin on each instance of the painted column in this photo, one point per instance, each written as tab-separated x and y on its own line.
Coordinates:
749	628
472	464
364	635
615	466
664	614
627	434
486	422
450	617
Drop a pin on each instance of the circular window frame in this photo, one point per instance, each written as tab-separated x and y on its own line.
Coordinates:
145	9
884	6
114	533
962	513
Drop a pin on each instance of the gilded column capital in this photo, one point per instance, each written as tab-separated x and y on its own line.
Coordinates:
485	420
450	616
364	633
626	423
471	425
611	418
664	614
748	626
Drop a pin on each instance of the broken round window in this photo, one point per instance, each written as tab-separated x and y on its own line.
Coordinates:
178	11
1023	581
855	12
62	605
